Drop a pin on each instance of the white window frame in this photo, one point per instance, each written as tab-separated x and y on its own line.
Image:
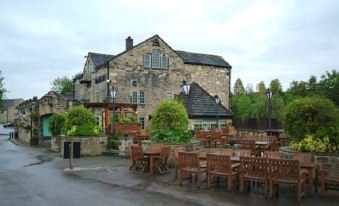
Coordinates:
148	59
156	58
141	97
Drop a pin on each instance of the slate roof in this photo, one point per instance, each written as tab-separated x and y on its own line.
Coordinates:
203	59
199	103
98	59
8	103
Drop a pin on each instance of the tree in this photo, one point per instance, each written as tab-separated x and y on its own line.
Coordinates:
275	86
329	86
241	106
238	87
316	116
2	91
170	123
62	85
298	88
261	88
249	88
80	122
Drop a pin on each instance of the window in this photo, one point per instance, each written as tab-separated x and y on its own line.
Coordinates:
138	97
147	60
156	59
164	62
141	97
170	95
142	122
134	83
135	97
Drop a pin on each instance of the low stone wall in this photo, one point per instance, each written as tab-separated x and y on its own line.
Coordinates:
89	146
55	144
24	134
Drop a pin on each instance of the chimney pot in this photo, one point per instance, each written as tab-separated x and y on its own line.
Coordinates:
129	43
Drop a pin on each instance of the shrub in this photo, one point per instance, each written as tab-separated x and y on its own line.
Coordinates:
312	144
314	116
80	122
57	124
170	123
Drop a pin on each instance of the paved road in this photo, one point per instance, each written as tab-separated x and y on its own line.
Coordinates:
33	176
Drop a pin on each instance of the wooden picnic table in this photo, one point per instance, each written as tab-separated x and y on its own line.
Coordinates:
149	154
311	168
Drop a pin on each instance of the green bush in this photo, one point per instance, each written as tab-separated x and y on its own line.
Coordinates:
57	124
170	123
80	122
313	116
312	144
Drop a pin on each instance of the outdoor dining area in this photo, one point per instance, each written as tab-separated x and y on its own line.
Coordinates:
245	163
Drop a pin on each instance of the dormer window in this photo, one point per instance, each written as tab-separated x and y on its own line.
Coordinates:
156	58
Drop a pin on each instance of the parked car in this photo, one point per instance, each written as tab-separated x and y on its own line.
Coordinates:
8	124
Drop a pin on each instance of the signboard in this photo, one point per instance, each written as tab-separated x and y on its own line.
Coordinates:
76	150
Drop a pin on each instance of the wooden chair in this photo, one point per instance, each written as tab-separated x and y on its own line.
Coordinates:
328	176
286	172
203	137
272	155
139	162
306	158
242	153
176	151
220	166
247	144
215	138
160	162
189	164
254	169
155	147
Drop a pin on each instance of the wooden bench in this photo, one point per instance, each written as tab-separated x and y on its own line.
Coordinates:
328	176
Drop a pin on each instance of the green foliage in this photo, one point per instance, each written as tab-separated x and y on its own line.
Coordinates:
56	124
329	86
2	91
62	85
241	105
312	144
275	86
170	123
261	88
312	116
81	122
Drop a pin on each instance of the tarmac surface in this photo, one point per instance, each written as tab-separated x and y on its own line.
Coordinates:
35	176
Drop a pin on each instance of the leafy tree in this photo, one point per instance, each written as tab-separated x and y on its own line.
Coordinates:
261	88
62	85
314	116
57	124
249	88
81	122
238	87
241	105
329	86
312	84
298	88
170	123
275	86
258	109
2	91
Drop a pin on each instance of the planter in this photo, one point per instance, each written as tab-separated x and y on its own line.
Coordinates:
34	141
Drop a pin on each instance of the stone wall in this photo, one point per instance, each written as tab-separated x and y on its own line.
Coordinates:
89	146
24	134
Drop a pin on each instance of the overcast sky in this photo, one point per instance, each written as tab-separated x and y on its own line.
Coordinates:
262	40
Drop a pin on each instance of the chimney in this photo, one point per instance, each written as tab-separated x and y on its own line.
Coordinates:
129	43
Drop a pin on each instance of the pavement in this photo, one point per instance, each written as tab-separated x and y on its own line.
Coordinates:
35	176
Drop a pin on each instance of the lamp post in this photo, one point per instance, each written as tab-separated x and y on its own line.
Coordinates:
185	87
217	101
113	95
269	97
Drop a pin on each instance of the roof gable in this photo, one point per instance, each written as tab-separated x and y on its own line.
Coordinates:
199	103
98	59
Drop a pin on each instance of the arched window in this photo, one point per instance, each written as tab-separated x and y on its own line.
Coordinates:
156	58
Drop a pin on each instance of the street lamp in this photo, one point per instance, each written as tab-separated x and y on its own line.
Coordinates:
185	87
217	101
269	97
113	95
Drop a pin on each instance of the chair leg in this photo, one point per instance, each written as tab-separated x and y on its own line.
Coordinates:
322	188
209	176
229	183
241	189
299	186
198	180
181	174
